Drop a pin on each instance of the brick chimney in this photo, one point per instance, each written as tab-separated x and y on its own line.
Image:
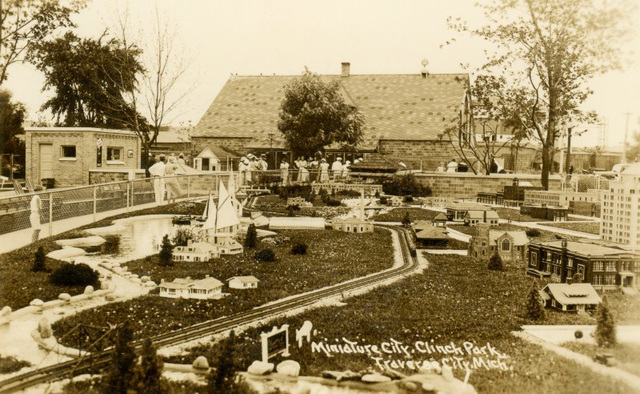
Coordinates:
346	69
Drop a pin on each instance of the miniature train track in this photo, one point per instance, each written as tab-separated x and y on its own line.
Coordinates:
99	360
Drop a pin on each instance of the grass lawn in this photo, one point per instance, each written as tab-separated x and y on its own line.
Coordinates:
19	286
332	257
453	244
456	299
627	354
586	227
397	214
544	234
11	364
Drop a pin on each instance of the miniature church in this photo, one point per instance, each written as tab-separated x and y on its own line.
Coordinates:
354	224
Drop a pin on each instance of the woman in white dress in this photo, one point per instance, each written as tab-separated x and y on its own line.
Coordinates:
34	218
324	171
284	172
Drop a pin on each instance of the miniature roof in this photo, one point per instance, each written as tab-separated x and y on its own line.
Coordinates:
432	233
468	206
633	169
421	225
244	279
351	220
198	247
519	237
475	214
589	249
376	161
440	216
573	294
406	107
188	283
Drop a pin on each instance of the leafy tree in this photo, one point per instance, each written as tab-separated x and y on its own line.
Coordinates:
406	220
182	236
123	360
147	375
267	255
535	310
166	250
222	376
89	78
25	22
633	151
11	119
546	52
495	262
39	261
313	115
299	248
605	333
252	236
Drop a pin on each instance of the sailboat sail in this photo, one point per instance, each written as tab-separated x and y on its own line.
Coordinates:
210	212
227	215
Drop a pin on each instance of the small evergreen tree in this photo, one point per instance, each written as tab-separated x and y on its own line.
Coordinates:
148	373
605	333
265	255
222	376
165	252
406	221
495	262
299	248
535	310
251	239
39	262
123	360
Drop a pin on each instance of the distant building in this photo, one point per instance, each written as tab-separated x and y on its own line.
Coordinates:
555	214
512	245
243	282
570	297
606	268
559	198
198	251
189	288
474	218
66	154
457	211
432	236
298	201
440	220
621	207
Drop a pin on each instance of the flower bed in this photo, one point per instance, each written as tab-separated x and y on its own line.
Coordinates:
332	257
456	299
586	227
397	214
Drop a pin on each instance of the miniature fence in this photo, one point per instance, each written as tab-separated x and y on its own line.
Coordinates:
57	205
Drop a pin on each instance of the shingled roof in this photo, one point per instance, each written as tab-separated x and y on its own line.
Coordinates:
395	107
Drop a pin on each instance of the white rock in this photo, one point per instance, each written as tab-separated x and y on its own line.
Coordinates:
36	302
88	290
93	240
5	312
289	368
375	378
150	284
66	253
260	368
145	278
64	296
200	363
104	285
447	373
110	297
136	280
44	328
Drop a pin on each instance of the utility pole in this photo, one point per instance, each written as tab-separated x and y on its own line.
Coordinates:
567	164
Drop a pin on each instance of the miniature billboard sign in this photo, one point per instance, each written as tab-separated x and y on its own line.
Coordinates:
275	342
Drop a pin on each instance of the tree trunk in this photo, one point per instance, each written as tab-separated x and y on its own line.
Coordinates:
547	164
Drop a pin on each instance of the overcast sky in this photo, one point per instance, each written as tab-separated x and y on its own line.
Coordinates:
250	37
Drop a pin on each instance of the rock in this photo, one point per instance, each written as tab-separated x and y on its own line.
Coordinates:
88	290
150	284
93	240
104	285
66	253
447	373
5	312
145	278
136	280
409	386
201	363
426	369
44	328
134	276
260	368
36	302
64	296
375	378
117	270
289	368
436	367
110	297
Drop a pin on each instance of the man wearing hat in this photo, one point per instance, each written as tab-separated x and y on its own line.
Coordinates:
336	169
157	172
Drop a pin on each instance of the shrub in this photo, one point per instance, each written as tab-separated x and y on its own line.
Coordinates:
533	232
383	200
75	275
535	311
147	373
123	361
39	261
578	334
408	199
406	220
182	236
10	364
605	333
299	248
221	379
405	185
165	252
495	262
265	255
333	203
251	239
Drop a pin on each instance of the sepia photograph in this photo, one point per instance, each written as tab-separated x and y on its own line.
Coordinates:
318	197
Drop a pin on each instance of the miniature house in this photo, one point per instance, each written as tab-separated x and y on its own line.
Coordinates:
440	220
198	251
354	224
473	218
570	297
243	282
206	288
206	161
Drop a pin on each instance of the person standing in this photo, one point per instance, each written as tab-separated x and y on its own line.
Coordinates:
345	170
303	173
452	166
441	168
336	169
284	172
324	171
157	172
172	184
34	218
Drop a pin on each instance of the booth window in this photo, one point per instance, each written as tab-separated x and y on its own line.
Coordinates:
69	151
114	153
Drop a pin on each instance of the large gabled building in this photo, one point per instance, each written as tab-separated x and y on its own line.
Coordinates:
406	115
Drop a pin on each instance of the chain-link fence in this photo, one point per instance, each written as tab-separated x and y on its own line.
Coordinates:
20	211
585	182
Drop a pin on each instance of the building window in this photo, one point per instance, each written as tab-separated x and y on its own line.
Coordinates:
506	245
611	266
610	280
69	151
598	266
114	153
597	279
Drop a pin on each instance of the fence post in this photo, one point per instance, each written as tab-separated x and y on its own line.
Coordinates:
128	196
95	202
50	213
